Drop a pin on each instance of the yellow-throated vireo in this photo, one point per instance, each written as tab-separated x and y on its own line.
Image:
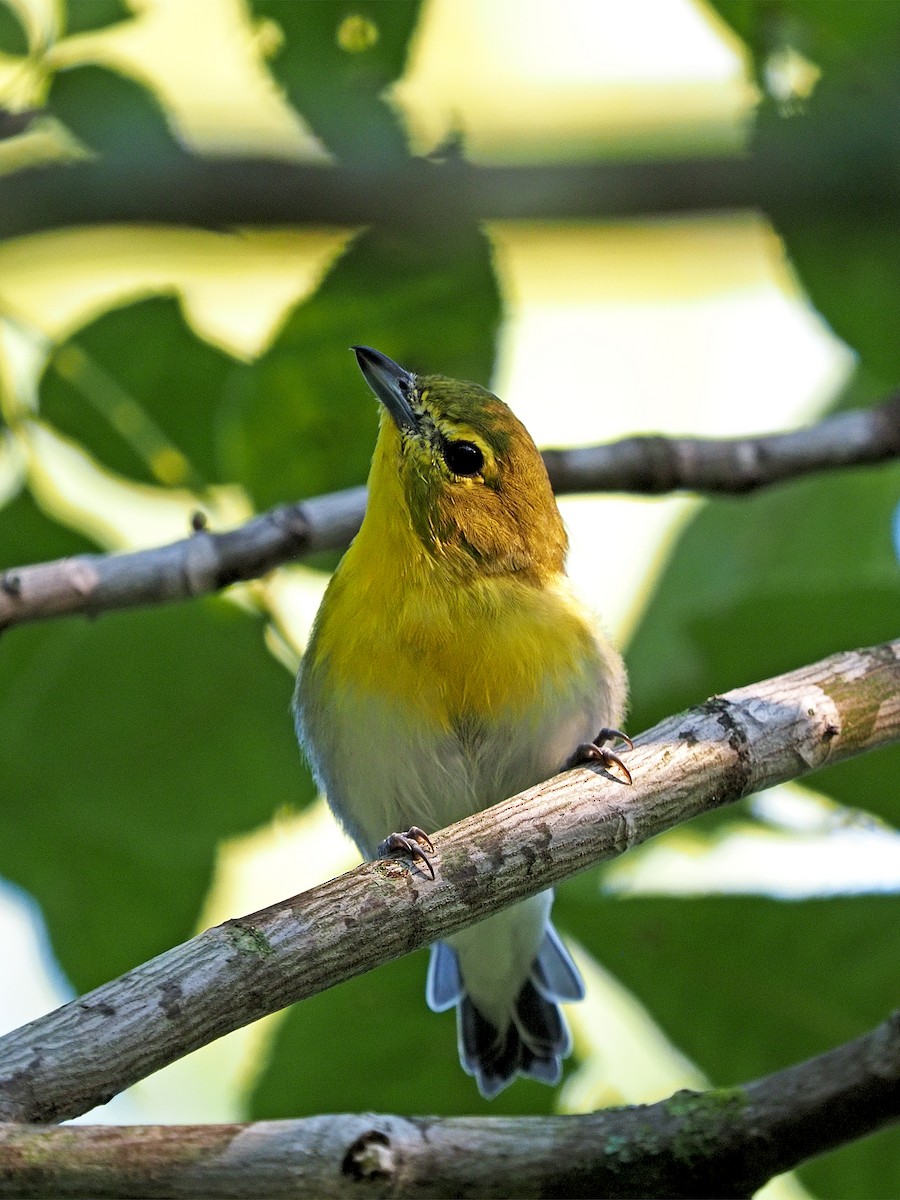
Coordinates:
450	666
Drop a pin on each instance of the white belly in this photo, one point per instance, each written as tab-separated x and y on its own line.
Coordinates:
384	768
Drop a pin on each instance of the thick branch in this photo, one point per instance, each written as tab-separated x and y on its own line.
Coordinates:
716	1144
65	1063
845	160
95	583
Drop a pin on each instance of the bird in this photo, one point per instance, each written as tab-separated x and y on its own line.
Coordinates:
450	666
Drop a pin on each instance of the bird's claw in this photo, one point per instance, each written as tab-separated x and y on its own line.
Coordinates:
612	735
411	843
595	751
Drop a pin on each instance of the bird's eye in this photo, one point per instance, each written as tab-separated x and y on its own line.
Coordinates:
463	458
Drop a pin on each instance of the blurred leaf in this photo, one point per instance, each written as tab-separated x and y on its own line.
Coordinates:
13	37
301	420
858	1171
847	38
847	264
371	1044
140	390
84	15
850	270
765	585
129	747
27	535
112	114
746	985
336	61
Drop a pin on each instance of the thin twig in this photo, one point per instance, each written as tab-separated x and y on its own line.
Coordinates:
706	1144
90	584
64	1064
729	466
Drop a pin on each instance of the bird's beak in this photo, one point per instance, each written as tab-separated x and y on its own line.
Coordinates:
391	384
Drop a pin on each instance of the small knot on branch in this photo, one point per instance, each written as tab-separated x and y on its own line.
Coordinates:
370	1157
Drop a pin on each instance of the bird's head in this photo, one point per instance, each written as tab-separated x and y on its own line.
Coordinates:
471	481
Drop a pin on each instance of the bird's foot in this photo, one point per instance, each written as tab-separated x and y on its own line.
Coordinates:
596	751
414	843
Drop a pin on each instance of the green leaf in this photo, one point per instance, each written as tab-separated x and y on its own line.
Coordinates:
27	535
849	269
746	985
140	391
335	63
112	114
372	1044
765	585
13	38
841	37
847	262
301	420
129	748
84	15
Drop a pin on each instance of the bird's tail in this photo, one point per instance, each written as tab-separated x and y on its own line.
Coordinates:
536	1038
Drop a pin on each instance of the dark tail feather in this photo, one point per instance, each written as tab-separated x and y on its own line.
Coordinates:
541	1024
536	1038
491	1055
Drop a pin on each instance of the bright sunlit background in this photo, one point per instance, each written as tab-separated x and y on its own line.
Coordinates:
678	326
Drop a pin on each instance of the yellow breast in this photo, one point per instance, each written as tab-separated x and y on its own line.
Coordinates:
395	624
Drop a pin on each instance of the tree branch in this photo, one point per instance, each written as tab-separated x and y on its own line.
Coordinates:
94	583
64	1064
729	466
90	584
844	159
726	1142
